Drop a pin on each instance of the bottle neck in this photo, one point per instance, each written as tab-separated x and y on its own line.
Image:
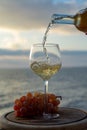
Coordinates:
62	19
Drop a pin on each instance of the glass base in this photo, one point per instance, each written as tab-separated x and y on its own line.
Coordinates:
48	116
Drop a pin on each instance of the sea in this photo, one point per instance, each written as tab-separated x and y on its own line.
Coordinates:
69	82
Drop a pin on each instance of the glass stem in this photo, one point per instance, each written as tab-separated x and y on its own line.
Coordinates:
46	97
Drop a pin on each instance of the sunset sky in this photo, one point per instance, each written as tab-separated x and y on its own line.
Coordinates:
23	22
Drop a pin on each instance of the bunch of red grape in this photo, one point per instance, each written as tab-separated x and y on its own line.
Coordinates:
33	104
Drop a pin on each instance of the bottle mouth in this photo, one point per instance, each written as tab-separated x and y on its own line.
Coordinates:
82	11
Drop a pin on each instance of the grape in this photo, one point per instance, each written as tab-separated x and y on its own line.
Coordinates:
29	95
23	98
17	113
23	110
33	104
16	107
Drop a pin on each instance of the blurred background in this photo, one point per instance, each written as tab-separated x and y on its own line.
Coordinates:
23	23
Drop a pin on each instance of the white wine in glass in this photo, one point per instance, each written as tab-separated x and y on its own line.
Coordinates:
45	61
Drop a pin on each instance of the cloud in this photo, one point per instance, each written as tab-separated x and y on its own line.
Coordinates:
14	62
20	58
14	58
74	58
7	52
27	14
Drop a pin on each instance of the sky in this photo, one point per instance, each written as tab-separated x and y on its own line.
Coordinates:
24	22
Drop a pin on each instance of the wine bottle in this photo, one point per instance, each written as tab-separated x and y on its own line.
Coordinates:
79	19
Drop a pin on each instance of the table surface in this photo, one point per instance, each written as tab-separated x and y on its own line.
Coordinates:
69	119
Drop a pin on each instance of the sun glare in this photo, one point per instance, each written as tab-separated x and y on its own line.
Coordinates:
11	39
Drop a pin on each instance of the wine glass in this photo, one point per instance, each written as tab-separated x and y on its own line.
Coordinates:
45	61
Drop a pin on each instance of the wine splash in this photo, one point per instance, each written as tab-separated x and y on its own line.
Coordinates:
45	70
